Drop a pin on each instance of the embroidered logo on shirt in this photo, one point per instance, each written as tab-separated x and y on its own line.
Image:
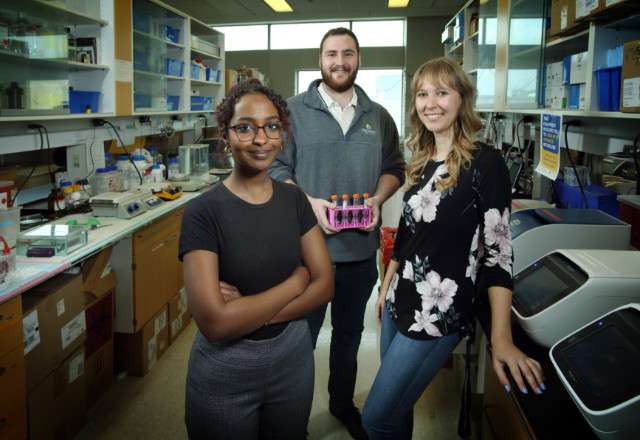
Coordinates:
367	130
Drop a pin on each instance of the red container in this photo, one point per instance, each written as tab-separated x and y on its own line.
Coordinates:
5	194
387	240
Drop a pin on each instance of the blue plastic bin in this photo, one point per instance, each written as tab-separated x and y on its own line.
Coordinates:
172	102
197	103
141	100
207	103
141	22
598	198
140	61
171	34
609	88
174	67
213	75
79	100
195	71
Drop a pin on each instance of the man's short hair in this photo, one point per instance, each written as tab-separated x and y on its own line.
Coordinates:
340	31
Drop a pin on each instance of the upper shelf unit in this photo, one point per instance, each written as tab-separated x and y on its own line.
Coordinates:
52	53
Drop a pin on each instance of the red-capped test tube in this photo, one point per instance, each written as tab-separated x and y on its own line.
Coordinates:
345	201
356	199
365	199
334	199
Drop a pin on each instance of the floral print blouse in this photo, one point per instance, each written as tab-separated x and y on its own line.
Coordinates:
442	240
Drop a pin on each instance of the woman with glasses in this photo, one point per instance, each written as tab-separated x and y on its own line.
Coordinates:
255	263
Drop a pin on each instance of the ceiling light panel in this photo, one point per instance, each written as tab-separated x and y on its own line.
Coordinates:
279	5
398	3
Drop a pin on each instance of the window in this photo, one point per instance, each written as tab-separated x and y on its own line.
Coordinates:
379	33
300	35
254	37
385	86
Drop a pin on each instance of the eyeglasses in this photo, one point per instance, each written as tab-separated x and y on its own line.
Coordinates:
248	132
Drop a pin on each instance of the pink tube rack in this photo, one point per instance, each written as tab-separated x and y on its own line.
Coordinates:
350	217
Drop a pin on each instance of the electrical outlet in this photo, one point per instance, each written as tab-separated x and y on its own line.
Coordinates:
76	161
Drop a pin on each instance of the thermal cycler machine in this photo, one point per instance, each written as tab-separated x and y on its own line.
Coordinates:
567	288
535	232
599	365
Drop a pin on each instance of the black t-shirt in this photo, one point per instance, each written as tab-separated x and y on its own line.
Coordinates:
258	246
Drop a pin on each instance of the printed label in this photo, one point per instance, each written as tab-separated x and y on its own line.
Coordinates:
152	353
161	322
631	92
176	325
30	331
74	328
76	367
60	307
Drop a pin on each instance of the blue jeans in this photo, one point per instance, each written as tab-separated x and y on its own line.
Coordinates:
407	367
354	282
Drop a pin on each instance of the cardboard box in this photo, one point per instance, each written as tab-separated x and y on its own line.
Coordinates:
13	404
577	98
609	4
559	97
585	8
447	35
10	325
179	315
137	353
630	94
54	325
553	75
97	277
578	69
57	405
99	372
563	14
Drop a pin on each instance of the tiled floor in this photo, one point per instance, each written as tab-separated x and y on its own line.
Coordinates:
152	407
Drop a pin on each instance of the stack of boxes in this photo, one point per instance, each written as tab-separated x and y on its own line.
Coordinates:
54	331
565	83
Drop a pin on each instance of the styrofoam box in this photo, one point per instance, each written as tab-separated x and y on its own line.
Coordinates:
554	74
559	96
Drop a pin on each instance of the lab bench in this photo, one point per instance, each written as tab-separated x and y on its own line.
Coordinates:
33	271
514	415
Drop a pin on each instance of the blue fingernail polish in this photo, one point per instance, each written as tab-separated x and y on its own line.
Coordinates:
524	390
506	387
538	390
543	387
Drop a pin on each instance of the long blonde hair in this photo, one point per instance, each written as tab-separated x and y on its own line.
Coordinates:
443	72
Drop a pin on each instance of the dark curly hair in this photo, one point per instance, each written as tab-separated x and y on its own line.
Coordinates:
226	109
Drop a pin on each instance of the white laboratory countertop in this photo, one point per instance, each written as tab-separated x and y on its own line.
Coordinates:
33	271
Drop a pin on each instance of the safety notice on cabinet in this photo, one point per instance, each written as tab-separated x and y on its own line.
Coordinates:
549	164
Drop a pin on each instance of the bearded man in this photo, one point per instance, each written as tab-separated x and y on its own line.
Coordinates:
343	143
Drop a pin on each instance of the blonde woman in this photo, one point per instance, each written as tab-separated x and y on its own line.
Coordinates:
455	218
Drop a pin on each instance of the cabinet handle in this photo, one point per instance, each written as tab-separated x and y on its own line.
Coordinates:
158	227
172	238
157	247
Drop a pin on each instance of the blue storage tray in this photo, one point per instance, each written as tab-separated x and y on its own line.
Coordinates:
141	100
195	71
79	100
197	103
172	102
171	34
174	67
207	103
140	61
141	22
609	81
597	197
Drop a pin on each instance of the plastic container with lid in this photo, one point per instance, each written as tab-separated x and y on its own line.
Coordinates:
156	173
109	161
67	190
173	168
163	169
124	165
100	181
138	172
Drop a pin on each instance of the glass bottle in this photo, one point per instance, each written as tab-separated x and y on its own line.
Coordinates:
18	35
71	45
56	204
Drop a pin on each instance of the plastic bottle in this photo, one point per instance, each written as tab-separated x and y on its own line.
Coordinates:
117	178
85	190
173	168
76	196
202	73
100	181
137	176
163	169
67	190
109	161
71	46
56	204
156	173
125	166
